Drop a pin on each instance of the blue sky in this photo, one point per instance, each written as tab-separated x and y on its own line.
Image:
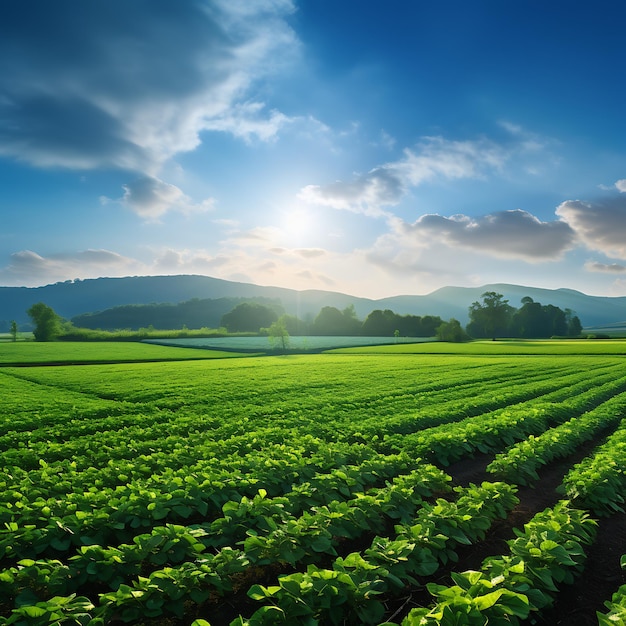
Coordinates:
358	146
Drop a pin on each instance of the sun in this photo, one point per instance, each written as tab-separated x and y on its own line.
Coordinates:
298	224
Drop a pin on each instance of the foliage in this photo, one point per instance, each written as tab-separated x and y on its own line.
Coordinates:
165	490
194	314
13	330
452	331
495	317
384	323
331	321
278	333
490	317
47	322
249	317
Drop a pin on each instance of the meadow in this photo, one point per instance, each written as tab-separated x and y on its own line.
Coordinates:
401	484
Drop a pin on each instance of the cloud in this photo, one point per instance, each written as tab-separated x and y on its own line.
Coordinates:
601	225
613	268
386	185
505	234
620	185
29	268
150	198
85	85
310	253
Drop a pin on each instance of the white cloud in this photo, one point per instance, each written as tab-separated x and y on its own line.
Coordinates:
145	84
620	185
386	185
150	198
601	225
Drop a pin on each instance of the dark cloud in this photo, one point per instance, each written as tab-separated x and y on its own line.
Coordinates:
600	225
612	268
507	234
88	84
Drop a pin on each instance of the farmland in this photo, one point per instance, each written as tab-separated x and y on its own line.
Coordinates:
381	484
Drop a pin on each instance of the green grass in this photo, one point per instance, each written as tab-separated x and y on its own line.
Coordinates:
501	347
90	352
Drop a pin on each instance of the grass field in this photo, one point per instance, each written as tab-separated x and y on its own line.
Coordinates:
153	487
22	352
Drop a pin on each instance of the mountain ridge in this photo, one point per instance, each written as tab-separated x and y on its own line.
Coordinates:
72	298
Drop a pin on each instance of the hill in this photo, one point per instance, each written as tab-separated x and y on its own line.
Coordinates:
72	298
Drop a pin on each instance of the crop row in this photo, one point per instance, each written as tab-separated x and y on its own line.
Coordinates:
268	520
420	545
98	517
492	432
509	588
598	483
353	589
519	463
72	520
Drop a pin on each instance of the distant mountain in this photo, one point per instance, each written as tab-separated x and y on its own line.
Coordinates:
72	298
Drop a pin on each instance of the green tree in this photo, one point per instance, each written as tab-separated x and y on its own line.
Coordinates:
249	317
278	333
13	330
47	322
331	321
574	327
490	317
451	331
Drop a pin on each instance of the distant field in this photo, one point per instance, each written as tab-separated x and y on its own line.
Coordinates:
300	344
95	352
501	346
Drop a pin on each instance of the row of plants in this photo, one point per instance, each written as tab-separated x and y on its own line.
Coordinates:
598	482
49	526
519	463
493	432
508	589
268	520
354	589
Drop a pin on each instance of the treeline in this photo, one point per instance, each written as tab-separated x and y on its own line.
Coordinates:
237	315
330	321
195	313
494	317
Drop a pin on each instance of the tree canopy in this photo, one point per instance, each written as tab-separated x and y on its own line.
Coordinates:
495	317
249	317
47	323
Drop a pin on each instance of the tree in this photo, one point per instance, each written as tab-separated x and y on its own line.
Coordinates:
47	322
278	333
380	323
249	317
451	331
574	327
490	317
331	321
13	330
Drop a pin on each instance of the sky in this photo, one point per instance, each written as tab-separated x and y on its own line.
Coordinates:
368	147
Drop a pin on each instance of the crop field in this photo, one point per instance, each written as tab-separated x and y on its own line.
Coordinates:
300	344
363	486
